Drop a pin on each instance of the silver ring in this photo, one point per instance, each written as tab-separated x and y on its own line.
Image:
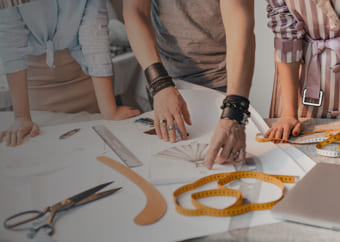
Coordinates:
234	155
171	127
163	121
243	151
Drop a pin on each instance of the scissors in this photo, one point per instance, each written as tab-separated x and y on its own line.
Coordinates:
90	195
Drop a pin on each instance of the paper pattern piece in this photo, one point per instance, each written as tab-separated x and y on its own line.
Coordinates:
184	161
194	153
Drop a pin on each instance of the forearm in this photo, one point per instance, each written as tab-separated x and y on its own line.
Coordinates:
18	88
289	85
105	96
238	19
140	31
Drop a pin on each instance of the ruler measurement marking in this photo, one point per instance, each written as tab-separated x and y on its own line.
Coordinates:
113	142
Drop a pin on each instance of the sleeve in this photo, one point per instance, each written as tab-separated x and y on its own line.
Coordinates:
288	32
14	48
94	39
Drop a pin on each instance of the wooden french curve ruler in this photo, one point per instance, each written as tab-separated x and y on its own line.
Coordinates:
223	179
320	142
155	207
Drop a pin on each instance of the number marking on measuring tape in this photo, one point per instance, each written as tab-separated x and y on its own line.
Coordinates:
320	142
330	153
223	179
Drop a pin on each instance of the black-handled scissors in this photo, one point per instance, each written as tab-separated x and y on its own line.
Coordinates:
14	222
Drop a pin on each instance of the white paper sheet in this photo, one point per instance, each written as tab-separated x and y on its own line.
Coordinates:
184	161
46	170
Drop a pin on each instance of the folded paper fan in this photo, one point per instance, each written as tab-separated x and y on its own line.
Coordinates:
194	152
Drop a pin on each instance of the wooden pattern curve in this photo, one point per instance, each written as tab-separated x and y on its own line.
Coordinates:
155	207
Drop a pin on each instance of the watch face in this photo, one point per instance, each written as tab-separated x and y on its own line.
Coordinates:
13	3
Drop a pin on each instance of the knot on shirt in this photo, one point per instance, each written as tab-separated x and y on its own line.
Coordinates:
50	53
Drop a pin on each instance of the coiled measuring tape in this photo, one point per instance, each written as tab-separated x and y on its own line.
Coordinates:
223	179
320	142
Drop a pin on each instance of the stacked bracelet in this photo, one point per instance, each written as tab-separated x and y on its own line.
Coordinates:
235	107
157	78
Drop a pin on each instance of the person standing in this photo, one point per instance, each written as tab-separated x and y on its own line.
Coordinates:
307	54
56	54
196	41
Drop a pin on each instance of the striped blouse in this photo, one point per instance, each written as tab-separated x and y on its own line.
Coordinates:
307	31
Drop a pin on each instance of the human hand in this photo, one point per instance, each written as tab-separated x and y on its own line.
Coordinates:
169	106
122	112
283	128
21	128
229	136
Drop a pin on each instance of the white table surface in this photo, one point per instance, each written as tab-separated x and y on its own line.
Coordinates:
286	232
273	232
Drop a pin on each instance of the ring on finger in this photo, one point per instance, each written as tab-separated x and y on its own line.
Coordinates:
171	127
234	155
163	121
243	151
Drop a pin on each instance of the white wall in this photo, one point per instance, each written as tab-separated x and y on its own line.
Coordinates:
261	91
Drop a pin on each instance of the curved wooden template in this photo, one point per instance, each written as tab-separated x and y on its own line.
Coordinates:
155	207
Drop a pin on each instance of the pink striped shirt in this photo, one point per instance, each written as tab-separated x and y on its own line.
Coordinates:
292	21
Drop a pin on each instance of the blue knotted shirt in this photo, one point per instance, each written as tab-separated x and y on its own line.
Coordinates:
48	25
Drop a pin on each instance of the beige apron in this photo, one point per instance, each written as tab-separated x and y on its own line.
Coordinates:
63	88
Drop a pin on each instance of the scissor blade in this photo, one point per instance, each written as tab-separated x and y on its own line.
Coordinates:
97	196
76	198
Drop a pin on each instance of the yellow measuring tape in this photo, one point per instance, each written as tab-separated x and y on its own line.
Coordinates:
320	142
223	179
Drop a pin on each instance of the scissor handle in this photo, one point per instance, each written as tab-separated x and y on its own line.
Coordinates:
12	223
34	231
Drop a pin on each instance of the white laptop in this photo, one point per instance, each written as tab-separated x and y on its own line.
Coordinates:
315	200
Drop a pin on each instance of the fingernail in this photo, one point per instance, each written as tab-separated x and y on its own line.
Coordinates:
294	133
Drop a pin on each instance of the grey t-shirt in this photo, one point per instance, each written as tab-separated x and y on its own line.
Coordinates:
191	40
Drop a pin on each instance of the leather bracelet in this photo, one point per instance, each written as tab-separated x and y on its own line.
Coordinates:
160	85
234	114
154	71
235	107
237	100
157	78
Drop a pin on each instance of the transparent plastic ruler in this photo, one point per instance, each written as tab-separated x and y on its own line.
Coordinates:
113	142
